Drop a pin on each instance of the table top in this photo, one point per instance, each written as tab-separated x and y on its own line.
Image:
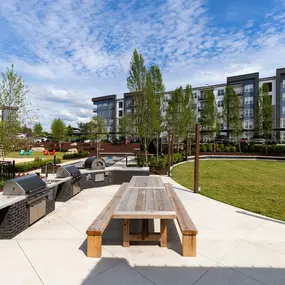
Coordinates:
145	198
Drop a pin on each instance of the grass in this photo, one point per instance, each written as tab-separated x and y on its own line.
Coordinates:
34	155
257	186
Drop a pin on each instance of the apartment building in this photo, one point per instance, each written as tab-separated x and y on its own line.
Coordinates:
245	85
4	112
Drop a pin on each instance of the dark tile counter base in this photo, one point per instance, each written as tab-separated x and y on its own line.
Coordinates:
13	219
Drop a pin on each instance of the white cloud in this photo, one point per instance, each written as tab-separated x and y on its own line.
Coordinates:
70	51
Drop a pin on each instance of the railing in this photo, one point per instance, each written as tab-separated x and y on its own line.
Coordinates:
7	170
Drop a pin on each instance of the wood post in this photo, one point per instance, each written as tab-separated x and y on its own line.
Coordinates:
163	232
189	245
144	228
94	246
172	149
197	153
169	154
126	233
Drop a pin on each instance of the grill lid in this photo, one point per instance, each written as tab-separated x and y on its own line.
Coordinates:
67	171
24	185
94	163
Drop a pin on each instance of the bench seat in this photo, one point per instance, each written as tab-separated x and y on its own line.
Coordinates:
187	227
96	229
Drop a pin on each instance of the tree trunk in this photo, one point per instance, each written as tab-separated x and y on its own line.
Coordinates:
172	147
145	151
190	147
157	146
187	148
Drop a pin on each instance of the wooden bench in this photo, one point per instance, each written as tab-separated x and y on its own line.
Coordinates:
186	225
96	229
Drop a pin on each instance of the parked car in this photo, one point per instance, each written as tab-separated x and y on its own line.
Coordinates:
87	141
258	141
270	142
39	140
243	140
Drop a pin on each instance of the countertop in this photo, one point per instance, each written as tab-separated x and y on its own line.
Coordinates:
6	201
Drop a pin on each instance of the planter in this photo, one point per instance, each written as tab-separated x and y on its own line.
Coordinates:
158	171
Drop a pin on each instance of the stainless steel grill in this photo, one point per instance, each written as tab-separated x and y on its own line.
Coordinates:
75	174
68	171
36	192
94	163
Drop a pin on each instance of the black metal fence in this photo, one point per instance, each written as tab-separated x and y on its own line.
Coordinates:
7	170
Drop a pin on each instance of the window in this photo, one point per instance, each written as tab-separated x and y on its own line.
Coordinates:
120	113
195	95
222	126
248	124
269	84
283	96
220	103
105	104
221	92
283	83
248	100
129	110
248	88
282	123
111	113
283	110
248	112
99	105
120	105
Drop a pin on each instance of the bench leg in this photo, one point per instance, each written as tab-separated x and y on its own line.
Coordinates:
163	233
189	245
94	246
126	233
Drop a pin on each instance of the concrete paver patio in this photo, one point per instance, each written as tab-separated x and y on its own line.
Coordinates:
234	247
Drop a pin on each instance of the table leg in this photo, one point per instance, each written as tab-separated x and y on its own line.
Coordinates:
126	233
144	228
163	233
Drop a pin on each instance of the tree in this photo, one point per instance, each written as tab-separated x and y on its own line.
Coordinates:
155	94
12	105
257	116
97	128
58	130
266	111
209	112
232	113
188	114
136	82
126	125
38	130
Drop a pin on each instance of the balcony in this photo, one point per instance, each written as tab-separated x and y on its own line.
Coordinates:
200	109
201	98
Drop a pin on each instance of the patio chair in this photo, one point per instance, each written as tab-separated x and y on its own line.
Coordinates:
46	152
52	152
22	152
29	152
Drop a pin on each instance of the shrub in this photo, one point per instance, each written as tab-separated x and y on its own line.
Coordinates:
160	163
27	166
227	149
2	182
203	148
244	147
209	147
177	157
80	154
233	148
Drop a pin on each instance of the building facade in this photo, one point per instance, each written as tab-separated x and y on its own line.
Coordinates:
245	85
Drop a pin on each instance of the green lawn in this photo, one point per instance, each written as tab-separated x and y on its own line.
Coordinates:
257	186
34	155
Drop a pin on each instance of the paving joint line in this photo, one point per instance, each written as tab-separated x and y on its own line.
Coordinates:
70	224
131	267
202	275
30	263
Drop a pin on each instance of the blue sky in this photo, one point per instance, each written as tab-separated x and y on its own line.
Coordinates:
69	51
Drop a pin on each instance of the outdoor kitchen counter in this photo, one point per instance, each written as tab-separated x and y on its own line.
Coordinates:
6	201
57	182
111	168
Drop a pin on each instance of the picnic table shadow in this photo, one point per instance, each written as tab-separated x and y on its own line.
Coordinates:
113	235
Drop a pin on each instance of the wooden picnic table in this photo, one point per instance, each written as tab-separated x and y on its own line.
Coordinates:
143	198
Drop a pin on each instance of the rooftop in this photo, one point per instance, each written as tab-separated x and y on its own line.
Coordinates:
234	247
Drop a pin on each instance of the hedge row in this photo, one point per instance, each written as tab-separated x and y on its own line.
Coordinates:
31	165
81	154
218	148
